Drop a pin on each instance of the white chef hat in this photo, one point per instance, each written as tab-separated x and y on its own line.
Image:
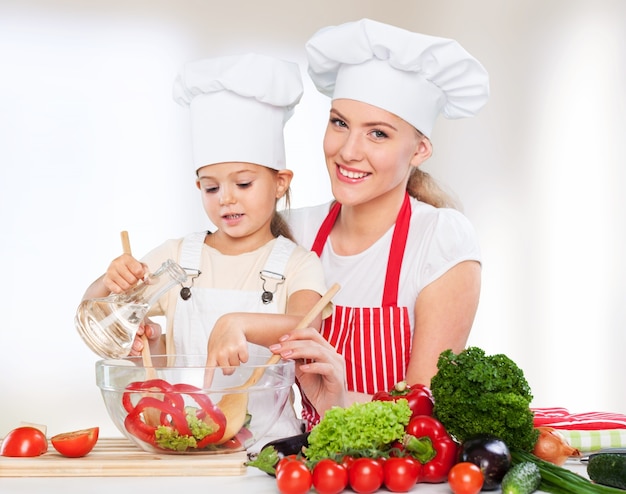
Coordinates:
412	75
239	106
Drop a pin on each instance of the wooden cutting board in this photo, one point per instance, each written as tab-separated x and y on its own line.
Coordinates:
118	457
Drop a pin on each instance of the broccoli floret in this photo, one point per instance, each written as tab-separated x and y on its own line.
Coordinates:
478	394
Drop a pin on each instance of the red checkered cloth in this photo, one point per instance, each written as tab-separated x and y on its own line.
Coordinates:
561	418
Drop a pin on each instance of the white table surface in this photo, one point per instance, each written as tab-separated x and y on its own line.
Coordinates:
253	482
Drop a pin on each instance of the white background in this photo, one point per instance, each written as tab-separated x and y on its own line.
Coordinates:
92	143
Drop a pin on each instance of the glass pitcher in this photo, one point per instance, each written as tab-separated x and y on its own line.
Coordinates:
108	325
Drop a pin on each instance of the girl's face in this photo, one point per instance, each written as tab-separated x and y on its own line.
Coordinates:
369	152
240	200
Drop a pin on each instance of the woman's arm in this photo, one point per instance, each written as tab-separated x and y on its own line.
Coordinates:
444	314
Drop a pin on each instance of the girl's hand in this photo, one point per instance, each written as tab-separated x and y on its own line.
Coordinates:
152	331
227	344
123	273
320	370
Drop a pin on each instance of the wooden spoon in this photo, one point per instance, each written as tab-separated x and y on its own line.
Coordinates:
151	415
146	357
235	406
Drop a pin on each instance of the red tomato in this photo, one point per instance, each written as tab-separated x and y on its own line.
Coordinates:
366	475
283	460
24	441
293	476
465	478
77	443
400	473
329	477
347	461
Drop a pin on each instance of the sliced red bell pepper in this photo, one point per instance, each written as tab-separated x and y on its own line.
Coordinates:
172	408
428	441
420	398
154	385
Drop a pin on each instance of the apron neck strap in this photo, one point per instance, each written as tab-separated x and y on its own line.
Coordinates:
396	252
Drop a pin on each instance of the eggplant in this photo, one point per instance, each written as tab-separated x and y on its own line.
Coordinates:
271	453
491	455
291	445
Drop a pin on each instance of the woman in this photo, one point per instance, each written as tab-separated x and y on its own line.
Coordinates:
408	265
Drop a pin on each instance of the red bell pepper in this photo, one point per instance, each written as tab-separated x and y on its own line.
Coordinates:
419	397
173	412
428	441
154	385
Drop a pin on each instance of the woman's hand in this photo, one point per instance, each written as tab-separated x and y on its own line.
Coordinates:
320	370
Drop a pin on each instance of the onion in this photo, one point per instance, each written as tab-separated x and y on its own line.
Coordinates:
552	447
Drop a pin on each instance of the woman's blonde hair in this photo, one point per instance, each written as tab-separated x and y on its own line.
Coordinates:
424	188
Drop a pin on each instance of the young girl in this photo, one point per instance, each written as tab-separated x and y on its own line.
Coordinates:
248	282
409	268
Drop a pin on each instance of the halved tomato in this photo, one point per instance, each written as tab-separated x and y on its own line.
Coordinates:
24	441
76	443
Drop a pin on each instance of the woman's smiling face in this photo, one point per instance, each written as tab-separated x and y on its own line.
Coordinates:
369	151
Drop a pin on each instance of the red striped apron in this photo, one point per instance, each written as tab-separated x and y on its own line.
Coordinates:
374	341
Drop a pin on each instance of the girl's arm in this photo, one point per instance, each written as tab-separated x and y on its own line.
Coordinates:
228	340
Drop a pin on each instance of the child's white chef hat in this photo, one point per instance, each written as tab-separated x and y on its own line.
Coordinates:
412	75
239	106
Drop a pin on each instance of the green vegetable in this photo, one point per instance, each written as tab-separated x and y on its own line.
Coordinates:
169	438
608	469
477	394
522	478
266	460
559	480
368	428
199	428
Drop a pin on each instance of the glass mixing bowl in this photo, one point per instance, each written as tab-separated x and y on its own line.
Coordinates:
188	408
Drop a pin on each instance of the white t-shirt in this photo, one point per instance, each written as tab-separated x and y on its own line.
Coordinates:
438	239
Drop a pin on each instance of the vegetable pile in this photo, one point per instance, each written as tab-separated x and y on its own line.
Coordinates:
179	428
480	436
365	446
479	394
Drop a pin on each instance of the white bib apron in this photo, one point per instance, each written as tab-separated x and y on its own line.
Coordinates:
195	317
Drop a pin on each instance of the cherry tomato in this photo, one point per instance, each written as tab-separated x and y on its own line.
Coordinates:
465	478
283	460
400	473
293	476
76	443
24	441
347	461
366	475
329	477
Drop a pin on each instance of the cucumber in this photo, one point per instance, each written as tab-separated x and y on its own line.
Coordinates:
522	478
608	469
